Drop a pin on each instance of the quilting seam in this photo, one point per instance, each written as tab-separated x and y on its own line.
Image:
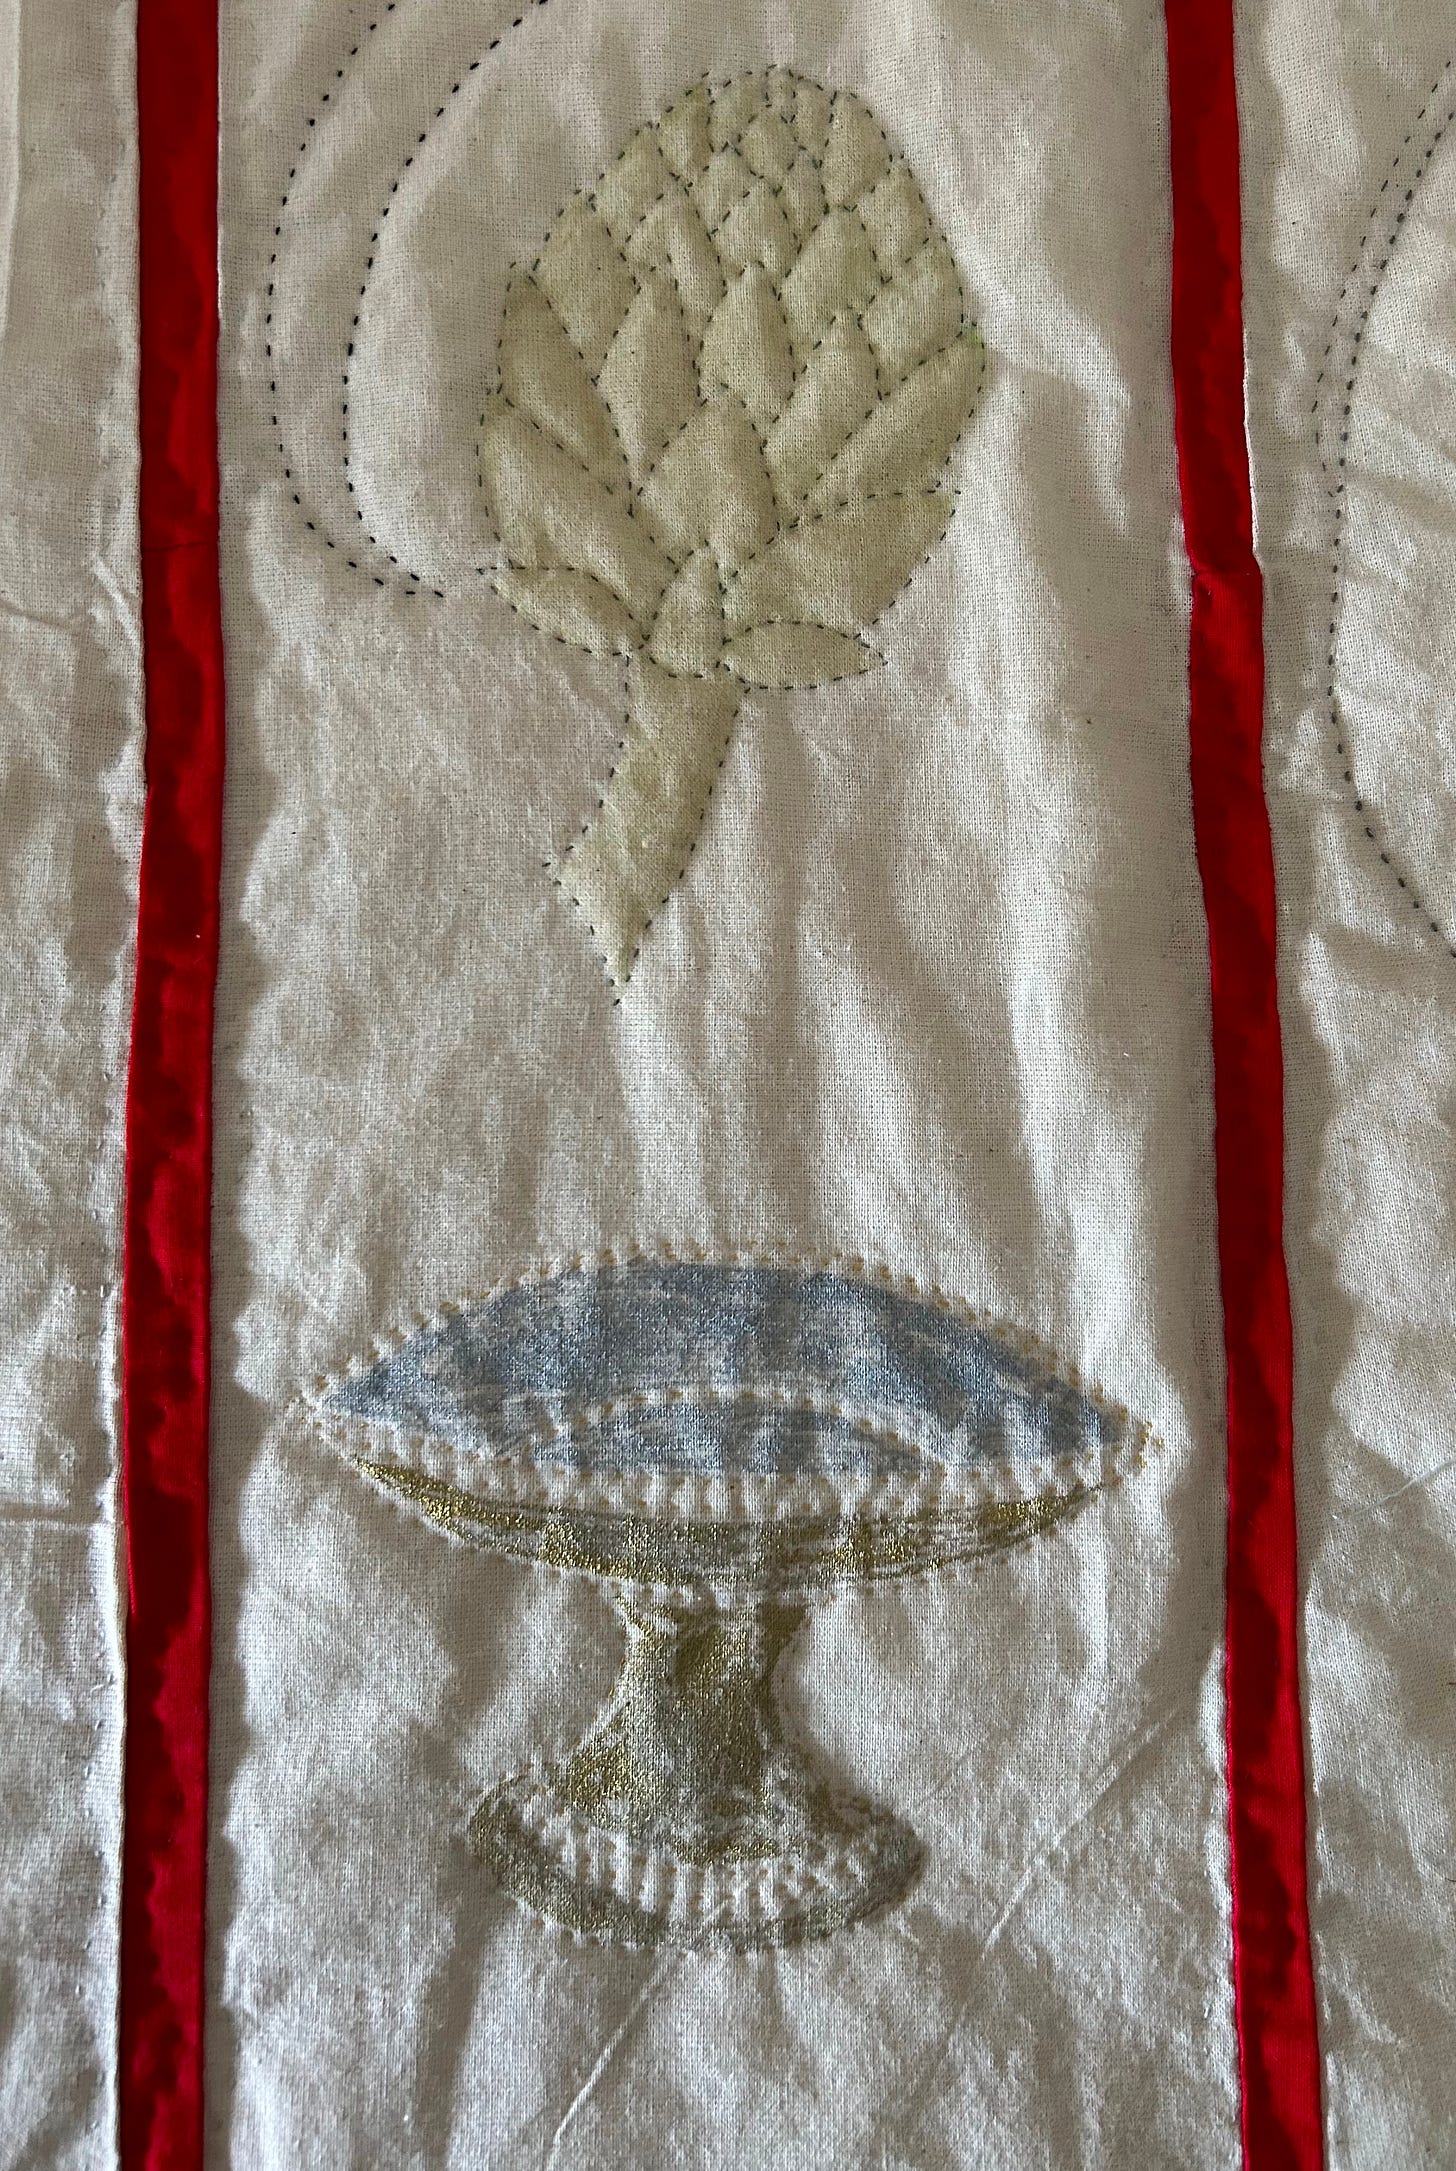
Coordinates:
1332	444
412	583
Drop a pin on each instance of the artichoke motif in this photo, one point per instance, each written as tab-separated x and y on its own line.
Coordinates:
729	387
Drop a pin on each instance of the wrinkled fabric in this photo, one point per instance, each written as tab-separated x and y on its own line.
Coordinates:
1350	209
928	995
905	987
690	1368
70	802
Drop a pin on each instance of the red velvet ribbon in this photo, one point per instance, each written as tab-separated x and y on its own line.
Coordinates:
165	1299
1273	1974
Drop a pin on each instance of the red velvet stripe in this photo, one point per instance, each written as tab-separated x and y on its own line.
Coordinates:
165	1368
1273	1975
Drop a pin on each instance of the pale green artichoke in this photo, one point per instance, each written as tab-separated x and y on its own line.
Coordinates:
728	390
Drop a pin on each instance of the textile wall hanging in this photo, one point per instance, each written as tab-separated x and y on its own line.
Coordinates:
729	1019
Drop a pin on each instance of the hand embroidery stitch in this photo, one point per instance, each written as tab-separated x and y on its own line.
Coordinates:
729	387
717	1445
1333	410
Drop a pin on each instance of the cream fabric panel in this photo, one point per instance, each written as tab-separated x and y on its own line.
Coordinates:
932	993
1351	234
70	787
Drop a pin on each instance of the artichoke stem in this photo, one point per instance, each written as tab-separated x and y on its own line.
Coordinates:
636	847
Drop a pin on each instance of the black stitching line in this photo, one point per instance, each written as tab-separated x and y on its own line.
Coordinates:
786	79
1336	478
587	193
615	490
870	497
702	820
562	572
314	526
271	290
702	405
666	668
730	145
896	166
619	986
374	239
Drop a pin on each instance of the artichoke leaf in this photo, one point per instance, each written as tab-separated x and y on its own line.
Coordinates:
802	196
683	132
836	391
724	183
573	607
813	110
628	190
688	635
648	380
544	377
919	311
552	514
907	437
769	146
895	216
737	104
783	655
836	273
841	569
856	155
582	273
673	240
757	231
746	347
712	486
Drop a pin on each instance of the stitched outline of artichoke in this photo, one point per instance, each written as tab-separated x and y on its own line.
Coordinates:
728	391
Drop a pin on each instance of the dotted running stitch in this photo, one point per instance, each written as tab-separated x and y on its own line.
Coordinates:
734	1500
1327	390
570	1940
805	1871
618	986
414	583
883	390
714	86
962	1568
660	1493
744	1493
772	1255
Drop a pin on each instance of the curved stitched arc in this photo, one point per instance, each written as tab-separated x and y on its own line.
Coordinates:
811	1552
888	393
831	512
855	1267
412	583
1335	477
592	375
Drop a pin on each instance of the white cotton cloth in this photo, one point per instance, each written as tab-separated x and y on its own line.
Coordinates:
931	997
933	992
70	805
1350	206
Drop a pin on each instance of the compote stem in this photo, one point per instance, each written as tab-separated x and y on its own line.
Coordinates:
692	1754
